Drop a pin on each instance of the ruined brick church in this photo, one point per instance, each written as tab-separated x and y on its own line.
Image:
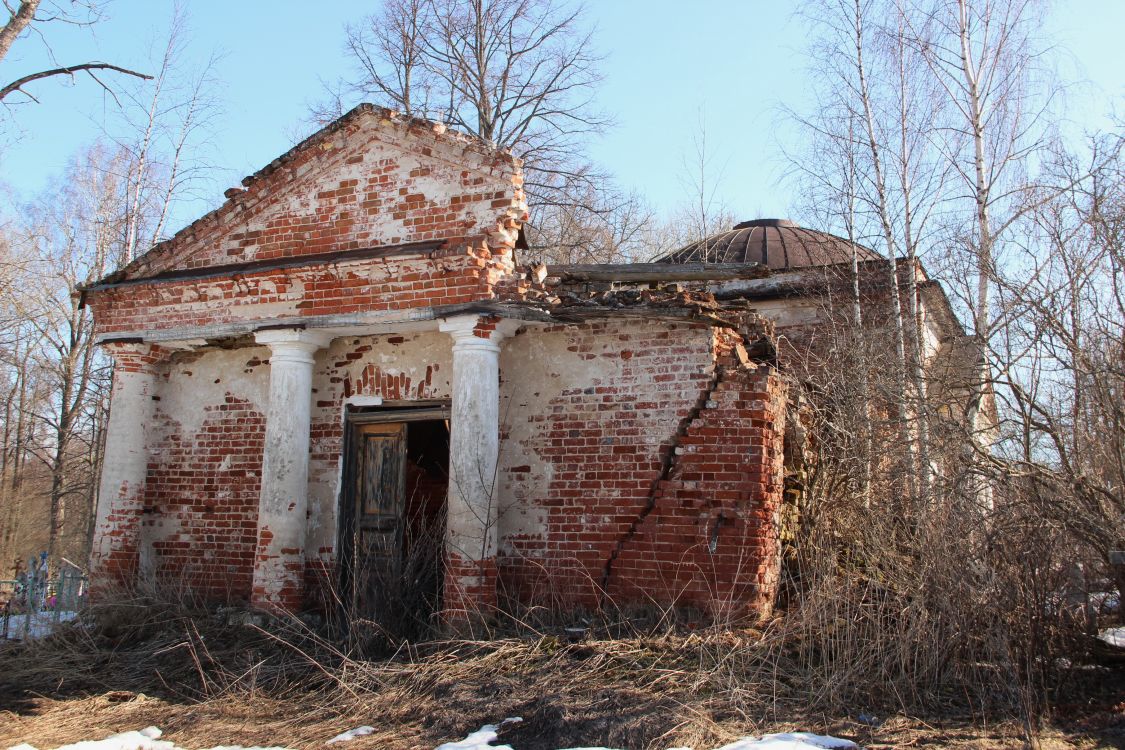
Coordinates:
349	385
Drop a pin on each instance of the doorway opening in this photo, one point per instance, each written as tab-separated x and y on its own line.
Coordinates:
392	518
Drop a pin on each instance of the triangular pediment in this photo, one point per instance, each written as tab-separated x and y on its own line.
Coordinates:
371	179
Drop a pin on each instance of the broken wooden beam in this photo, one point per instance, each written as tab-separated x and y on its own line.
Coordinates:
657	272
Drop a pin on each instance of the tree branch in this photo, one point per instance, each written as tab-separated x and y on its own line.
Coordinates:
70	70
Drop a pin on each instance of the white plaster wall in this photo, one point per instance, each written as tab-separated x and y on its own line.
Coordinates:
789	312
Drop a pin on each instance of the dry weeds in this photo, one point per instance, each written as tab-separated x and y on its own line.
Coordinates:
207	680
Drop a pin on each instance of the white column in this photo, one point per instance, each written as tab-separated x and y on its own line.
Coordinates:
279	560
474	441
114	556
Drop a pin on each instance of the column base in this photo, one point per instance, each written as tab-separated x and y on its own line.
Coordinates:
279	583
470	590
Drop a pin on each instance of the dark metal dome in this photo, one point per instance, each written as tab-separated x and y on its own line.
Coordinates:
777	243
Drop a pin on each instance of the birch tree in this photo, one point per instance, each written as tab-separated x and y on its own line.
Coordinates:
113	202
871	170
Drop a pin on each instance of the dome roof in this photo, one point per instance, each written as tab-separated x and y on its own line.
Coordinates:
777	243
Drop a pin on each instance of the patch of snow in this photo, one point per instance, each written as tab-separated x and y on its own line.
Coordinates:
790	741
481	739
39	624
145	739
1113	636
351	734
1106	601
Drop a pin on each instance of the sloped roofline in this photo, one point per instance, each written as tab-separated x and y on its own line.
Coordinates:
436	130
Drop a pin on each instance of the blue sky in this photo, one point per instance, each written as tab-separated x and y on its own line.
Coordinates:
669	65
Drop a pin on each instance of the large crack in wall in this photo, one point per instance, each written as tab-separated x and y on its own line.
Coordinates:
668	463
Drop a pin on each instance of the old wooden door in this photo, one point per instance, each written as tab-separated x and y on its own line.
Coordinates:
378	496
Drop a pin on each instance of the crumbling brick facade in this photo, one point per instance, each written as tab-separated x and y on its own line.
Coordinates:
600	460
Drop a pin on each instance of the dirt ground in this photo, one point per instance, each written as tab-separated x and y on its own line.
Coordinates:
613	720
239	685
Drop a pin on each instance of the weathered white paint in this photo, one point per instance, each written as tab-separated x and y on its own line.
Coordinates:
279	564
352	324
792	311
474	438
359	400
193	382
540	367
125	462
546	367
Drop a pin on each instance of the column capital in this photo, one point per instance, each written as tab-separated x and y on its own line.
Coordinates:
292	344
478	331
135	355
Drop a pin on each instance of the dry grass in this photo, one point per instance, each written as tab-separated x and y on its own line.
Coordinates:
207	680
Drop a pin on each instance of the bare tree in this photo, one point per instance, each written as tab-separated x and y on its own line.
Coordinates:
29	15
871	168
75	239
389	52
113	201
597	225
704	213
519	74
985	57
931	138
167	123
1059	357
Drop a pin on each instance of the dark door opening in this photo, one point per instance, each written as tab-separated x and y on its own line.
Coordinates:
396	476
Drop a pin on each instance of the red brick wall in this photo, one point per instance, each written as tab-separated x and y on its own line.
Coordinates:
360	286
621	449
593	415
370	180
201	499
374	182
624	469
710	538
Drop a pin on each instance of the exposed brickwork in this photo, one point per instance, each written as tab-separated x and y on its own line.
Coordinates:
201	499
606	478
359	188
711	537
640	456
470	591
373	178
345	288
